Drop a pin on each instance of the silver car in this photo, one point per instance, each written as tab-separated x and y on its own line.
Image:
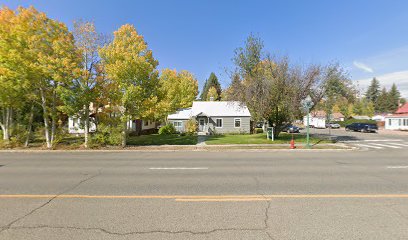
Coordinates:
333	125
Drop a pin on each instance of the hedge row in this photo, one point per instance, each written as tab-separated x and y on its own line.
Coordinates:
350	121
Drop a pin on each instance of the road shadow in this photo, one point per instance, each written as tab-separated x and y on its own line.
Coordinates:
335	138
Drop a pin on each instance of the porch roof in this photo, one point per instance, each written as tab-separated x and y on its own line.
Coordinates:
202	114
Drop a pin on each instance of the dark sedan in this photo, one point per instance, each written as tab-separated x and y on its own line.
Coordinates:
362	127
291	129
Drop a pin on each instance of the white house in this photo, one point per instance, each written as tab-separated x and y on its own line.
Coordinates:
76	126
358	117
317	119
337	116
379	117
214	117
398	120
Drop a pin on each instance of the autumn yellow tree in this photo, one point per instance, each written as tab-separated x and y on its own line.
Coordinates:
52	60
15	71
212	94
86	87
177	90
131	66
11	72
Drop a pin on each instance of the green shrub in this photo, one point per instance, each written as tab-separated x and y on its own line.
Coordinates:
106	135
258	130
191	127
352	120
167	129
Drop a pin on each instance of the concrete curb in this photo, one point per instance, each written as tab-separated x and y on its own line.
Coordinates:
194	148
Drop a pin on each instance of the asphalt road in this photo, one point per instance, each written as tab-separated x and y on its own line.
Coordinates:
204	195
347	136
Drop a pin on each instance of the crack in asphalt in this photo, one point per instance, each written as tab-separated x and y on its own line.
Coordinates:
8	226
138	232
268	206
263	229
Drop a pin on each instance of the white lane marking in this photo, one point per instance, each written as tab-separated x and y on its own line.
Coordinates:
178	168
397	167
375	140
399	144
384	145
369	146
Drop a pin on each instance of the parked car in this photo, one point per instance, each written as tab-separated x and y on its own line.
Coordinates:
362	127
259	125
291	129
333	125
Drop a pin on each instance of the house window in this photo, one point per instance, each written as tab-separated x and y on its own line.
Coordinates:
218	122
177	124
399	122
405	122
146	123
75	122
237	122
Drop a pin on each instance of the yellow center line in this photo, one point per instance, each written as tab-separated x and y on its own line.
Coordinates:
221	199
210	197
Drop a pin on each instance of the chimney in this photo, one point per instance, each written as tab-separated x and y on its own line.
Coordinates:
211	99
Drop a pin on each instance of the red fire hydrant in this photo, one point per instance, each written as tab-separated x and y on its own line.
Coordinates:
292	144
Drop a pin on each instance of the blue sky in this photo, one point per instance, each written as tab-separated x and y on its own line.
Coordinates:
368	38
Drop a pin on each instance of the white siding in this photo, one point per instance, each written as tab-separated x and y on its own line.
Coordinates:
315	121
75	126
228	125
396	123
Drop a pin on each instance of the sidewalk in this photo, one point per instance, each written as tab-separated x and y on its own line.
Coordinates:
202	147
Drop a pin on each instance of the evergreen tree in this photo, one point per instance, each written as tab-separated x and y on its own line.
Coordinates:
373	91
382	101
358	108
204	91
212	81
393	98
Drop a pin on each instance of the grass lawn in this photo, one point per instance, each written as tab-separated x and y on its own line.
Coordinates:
260	139
38	141
156	139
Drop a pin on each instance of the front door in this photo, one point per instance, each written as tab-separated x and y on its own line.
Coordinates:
201	124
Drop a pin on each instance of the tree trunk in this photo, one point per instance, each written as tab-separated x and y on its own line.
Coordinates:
86	132
6	124
46	121
29	127
124	132
53	118
11	122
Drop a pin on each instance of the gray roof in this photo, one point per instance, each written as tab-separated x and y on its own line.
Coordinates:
213	109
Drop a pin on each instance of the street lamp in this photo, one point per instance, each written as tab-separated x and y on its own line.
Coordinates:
307	104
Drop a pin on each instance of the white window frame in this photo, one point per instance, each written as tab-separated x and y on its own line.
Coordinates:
240	122
222	122
178	122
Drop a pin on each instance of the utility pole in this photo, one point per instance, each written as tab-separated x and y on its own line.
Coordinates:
307	104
